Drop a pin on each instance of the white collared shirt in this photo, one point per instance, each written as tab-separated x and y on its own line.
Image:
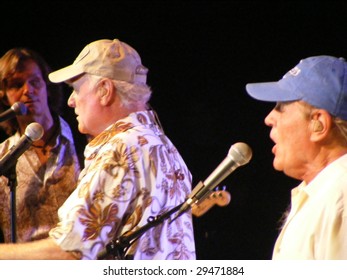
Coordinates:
316	227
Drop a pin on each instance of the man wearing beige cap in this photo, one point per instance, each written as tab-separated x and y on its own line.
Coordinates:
132	174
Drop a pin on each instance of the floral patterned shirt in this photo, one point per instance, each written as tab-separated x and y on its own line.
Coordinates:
41	189
132	172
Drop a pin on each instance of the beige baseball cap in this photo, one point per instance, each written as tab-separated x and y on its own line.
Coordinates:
106	58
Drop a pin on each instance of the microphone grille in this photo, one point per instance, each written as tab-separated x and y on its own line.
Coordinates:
34	131
241	153
19	108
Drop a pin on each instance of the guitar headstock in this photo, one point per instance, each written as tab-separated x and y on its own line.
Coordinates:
219	197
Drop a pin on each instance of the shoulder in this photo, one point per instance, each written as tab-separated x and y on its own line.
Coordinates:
65	129
8	143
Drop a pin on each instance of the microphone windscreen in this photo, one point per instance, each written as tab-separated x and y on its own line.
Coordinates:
19	108
241	153
34	131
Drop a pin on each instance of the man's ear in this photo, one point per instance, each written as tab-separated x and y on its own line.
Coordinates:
320	125
106	92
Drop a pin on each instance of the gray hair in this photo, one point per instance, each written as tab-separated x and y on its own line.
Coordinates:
340	124
342	127
130	94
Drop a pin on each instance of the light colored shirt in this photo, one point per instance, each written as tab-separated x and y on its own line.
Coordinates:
132	172
316	228
41	189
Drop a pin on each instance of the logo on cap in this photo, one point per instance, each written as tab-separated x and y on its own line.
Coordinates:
295	71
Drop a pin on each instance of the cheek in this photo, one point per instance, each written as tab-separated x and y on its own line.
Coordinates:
285	140
292	147
87	111
43	95
290	138
85	107
13	97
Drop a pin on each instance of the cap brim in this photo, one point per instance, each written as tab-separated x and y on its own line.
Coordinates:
65	74
271	92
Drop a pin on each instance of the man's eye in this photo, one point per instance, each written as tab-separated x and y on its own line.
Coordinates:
279	107
15	85
36	83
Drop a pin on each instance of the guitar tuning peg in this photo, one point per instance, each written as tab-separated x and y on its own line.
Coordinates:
217	188
224	188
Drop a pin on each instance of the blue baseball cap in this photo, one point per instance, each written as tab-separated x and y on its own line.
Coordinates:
320	81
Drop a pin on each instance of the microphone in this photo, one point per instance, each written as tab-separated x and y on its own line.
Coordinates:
33	132
239	154
17	108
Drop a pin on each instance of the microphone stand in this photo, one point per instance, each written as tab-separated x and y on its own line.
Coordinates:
120	245
12	177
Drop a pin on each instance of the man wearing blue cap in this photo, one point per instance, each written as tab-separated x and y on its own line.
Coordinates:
309	129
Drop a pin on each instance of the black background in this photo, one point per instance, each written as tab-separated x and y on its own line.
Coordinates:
200	56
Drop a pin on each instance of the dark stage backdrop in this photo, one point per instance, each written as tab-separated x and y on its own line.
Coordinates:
200	56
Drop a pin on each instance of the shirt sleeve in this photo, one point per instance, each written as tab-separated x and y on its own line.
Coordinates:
93	213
